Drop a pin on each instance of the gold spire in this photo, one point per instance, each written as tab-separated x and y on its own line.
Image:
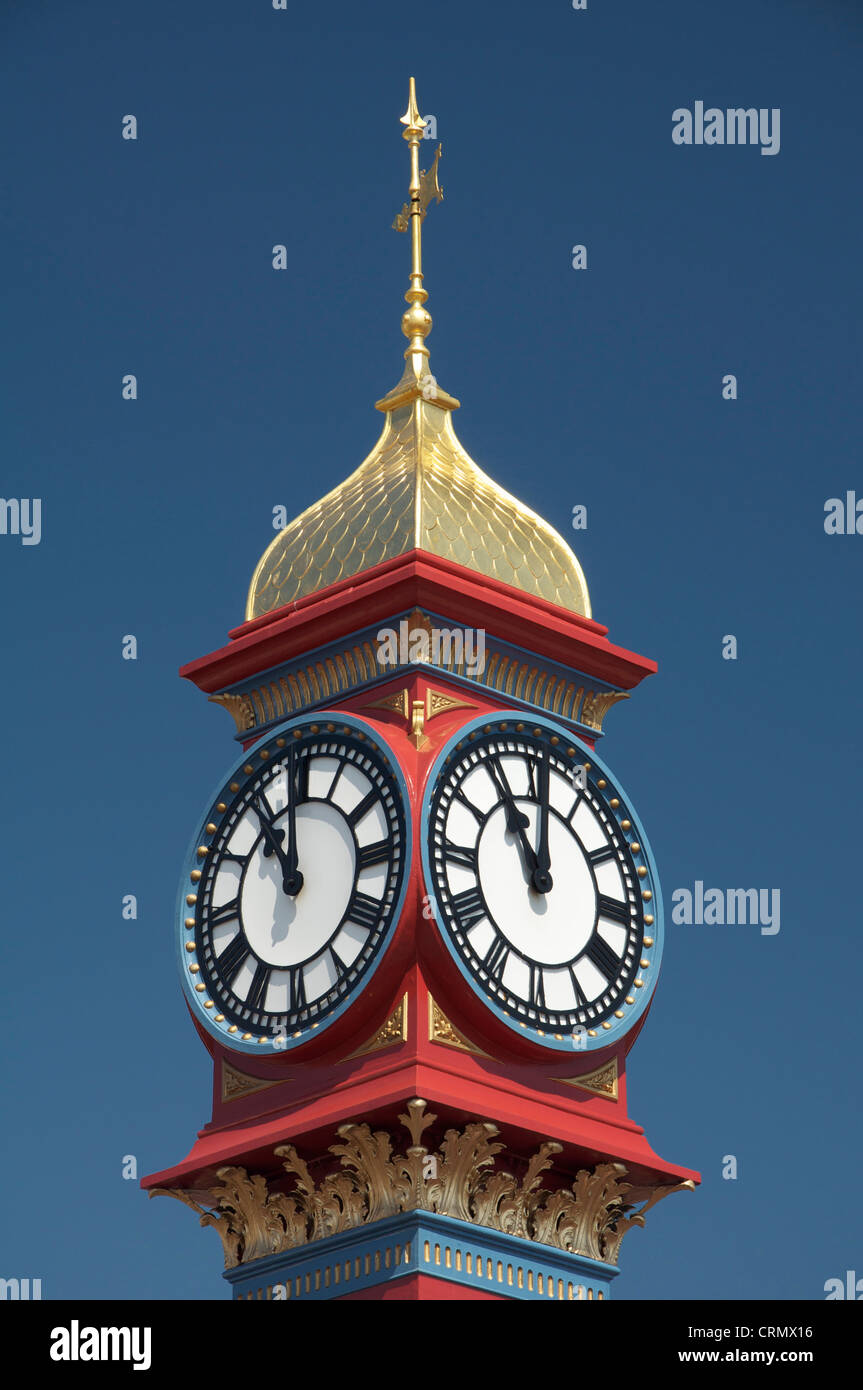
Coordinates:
418	489
417	321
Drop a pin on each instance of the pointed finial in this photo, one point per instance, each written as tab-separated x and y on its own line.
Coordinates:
417	321
412	118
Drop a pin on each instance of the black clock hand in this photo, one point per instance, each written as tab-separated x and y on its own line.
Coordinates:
542	880
292	879
516	820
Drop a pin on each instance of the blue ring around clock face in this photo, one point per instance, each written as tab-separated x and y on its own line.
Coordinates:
563	946
292	887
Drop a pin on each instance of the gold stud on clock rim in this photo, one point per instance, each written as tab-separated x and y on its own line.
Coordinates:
641	871
211	828
191	899
626	825
190	945
648	942
195	875
648	919
647	895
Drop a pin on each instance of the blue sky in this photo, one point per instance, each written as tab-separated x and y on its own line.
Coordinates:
600	387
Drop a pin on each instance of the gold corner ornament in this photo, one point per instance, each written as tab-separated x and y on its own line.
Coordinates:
601	1082
417	713
237	1084
393	1031
459	1178
443	1032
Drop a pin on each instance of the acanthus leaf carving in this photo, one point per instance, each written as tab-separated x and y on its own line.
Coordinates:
460	1179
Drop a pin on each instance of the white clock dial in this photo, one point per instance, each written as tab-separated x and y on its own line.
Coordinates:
299	884
539	887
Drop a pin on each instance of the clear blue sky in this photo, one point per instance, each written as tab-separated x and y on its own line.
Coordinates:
600	387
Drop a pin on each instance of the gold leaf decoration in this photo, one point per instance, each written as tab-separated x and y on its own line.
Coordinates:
460	1179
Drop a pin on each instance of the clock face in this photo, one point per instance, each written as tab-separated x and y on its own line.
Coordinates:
299	876
543	882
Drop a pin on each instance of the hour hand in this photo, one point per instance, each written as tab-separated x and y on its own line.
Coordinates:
292	879
516	820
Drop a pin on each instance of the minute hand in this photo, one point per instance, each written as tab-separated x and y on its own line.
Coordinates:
542	880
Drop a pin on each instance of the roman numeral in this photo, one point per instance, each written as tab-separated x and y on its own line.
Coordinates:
373	854
227	856
575	805
611	908
258	987
301	779
341	965
469	907
533	778
601	856
232	958
477	814
464	855
600	954
298	989
226	913
339	770
580	997
537	987
365	911
363	808
496	957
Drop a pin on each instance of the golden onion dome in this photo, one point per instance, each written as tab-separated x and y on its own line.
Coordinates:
418	489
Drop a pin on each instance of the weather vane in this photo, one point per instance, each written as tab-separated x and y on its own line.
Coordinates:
424	186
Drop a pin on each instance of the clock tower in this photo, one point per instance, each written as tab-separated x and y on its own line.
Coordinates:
419	926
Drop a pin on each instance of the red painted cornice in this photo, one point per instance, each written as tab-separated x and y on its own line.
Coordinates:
418	579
